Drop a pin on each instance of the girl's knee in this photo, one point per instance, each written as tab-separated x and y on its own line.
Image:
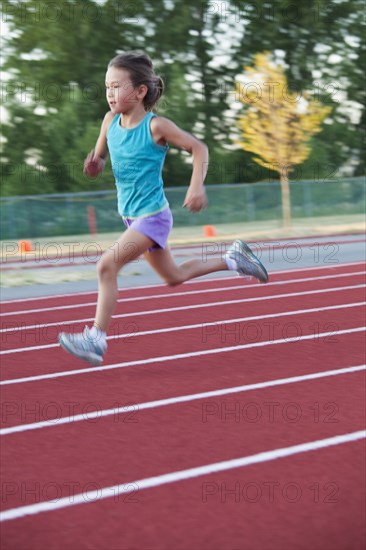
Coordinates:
106	268
173	282
176	279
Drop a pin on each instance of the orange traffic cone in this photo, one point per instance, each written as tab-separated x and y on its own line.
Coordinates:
209	231
25	246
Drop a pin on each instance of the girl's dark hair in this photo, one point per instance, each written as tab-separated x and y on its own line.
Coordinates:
140	68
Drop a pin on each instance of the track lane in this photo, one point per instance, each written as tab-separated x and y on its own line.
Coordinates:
121	387
144	383
111	451
192	341
197	284
140	520
147	520
250	291
42	334
179	291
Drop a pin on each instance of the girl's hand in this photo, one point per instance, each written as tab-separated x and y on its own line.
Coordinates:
93	165
196	199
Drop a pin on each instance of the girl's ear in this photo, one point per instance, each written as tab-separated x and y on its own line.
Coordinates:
142	91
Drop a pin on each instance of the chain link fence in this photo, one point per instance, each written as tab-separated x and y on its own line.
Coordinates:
69	214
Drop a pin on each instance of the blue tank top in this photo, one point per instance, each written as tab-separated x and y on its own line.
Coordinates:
137	164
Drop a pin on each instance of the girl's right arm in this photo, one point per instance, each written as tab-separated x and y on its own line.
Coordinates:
95	161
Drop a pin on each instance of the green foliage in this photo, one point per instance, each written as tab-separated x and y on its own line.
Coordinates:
56	55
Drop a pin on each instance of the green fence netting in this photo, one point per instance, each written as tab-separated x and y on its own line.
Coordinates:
67	214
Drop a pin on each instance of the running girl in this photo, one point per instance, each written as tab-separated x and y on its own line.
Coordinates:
137	142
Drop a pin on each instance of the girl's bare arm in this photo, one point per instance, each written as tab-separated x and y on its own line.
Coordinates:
163	129
101	149
95	161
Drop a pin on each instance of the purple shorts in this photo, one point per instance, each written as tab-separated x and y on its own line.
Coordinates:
156	227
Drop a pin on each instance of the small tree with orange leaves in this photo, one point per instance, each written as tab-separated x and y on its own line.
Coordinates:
276	125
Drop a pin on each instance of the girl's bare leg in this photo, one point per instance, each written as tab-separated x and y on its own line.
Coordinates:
90	345
128	248
163	263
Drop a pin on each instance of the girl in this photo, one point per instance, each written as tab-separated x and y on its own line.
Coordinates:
137	141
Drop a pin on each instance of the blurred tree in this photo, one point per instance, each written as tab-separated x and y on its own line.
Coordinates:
323	43
56	53
276	126
51	97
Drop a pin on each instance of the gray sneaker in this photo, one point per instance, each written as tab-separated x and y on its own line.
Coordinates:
83	346
247	262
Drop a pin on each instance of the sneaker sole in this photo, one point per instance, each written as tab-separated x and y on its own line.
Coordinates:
263	275
92	358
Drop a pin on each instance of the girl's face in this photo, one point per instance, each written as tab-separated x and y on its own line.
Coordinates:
122	97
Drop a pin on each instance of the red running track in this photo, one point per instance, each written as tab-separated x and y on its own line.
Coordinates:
288	362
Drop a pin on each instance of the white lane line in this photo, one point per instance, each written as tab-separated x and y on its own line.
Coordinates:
187	293
195	281
176	400
198	325
23	327
162	359
180	475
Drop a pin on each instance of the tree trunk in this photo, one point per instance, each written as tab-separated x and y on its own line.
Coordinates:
286	203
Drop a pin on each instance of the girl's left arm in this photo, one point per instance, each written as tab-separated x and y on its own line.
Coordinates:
164	130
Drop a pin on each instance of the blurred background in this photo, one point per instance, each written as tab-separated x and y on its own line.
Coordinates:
276	89
53	100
